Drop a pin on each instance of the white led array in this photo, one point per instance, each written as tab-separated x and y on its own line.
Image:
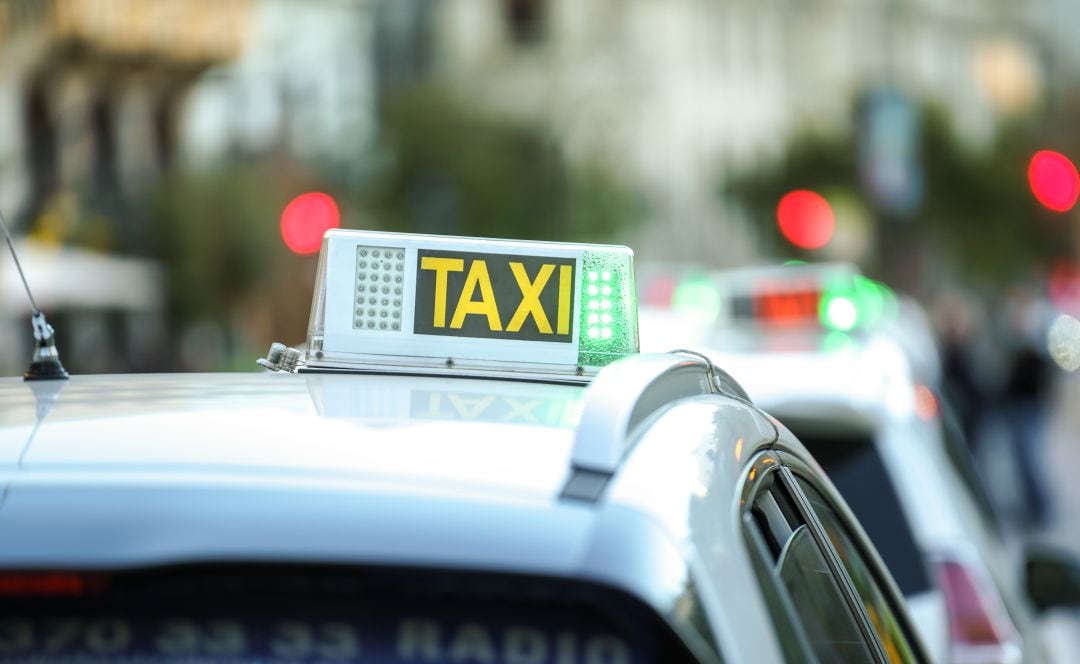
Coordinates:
380	283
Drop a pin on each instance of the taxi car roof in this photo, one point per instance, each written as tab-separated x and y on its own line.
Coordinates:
124	471
509	437
145	470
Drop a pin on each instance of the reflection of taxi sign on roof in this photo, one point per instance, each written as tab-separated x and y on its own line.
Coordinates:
468	304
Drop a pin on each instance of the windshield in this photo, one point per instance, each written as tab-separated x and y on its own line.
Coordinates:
301	614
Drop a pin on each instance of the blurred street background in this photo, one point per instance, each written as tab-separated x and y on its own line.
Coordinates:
168	166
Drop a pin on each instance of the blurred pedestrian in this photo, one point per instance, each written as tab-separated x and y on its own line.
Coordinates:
1024	399
965	388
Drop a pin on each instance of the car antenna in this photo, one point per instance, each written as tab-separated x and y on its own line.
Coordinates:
45	364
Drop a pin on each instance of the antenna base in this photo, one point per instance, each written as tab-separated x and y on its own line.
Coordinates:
47	370
45	364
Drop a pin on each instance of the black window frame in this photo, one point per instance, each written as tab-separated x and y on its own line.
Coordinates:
768	467
873	591
795	467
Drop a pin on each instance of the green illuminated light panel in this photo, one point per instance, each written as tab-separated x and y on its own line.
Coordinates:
856	302
608	324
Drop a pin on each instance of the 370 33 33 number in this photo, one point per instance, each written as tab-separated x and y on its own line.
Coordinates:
289	640
99	637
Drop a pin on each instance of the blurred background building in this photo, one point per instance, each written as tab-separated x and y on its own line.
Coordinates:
677	95
167	137
91	94
304	87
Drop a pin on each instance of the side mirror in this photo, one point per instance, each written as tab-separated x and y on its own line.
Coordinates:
1052	578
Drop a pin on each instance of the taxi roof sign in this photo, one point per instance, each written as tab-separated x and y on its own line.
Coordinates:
788	295
833	296
472	305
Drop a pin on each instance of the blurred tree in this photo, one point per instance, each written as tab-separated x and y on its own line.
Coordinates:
976	210
978	205
232	284
219	240
813	161
454	170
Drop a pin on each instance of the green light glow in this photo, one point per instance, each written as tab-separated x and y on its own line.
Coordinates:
836	342
856	301
869	302
839	313
890	306
571	414
698	297
608	319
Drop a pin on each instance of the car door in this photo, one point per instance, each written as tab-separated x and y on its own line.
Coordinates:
821	613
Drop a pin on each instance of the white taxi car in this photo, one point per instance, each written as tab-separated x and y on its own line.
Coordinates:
471	463
852	396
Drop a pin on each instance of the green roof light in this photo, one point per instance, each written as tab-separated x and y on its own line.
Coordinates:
869	300
608	308
839	313
856	301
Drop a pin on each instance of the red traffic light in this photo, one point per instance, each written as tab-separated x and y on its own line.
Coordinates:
305	219
806	219
1054	180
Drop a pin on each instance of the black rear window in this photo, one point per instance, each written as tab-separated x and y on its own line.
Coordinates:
855	466
302	614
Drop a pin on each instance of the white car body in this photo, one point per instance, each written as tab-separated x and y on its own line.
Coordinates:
870	386
117	472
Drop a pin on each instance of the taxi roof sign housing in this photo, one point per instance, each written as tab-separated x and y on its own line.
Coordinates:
405	302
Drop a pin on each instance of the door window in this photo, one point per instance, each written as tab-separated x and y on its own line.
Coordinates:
810	595
870	592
